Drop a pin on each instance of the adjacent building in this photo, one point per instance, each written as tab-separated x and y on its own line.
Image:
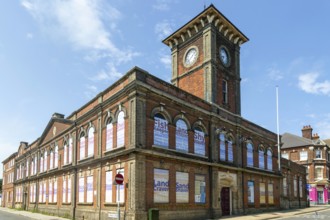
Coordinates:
313	153
8	179
183	148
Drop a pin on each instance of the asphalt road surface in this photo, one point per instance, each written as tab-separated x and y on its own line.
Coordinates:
10	216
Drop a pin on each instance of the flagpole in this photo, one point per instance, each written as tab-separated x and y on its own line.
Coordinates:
278	132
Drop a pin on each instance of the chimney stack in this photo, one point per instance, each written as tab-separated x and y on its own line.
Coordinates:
316	136
307	132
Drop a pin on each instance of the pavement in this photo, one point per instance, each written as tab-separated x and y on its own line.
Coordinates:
31	215
317	209
258	216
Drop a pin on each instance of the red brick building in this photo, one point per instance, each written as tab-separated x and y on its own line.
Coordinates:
314	154
8	181
183	148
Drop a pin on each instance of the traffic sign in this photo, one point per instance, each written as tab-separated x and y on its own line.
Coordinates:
119	179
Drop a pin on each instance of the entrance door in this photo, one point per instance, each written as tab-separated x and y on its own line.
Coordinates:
225	201
319	197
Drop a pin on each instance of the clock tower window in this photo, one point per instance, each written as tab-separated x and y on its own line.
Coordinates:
224	92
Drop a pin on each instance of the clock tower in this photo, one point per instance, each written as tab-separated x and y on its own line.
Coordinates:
205	59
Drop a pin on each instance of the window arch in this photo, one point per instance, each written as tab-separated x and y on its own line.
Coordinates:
222	143
56	156
230	149
51	159
90	149
45	160
249	154
269	160
65	152
181	135
199	141
41	165
121	129
261	154
160	130
82	146
70	149
109	134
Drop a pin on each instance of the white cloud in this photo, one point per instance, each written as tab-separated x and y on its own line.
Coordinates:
166	60
162	5
308	83
275	74
110	73
87	26
323	128
91	91
163	29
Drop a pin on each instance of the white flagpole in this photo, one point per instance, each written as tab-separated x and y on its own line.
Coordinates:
278	132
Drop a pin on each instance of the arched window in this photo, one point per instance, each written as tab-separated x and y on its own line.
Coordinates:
51	159
35	165
32	166
230	150
222	142
269	160
199	141
249	154
41	169
90	150
45	161
261	154
121	129
82	146
56	157
109	135
181	135
65	153
160	131
70	150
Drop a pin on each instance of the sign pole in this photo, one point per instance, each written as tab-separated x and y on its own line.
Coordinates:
118	199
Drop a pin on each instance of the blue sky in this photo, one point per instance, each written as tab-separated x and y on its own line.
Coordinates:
57	55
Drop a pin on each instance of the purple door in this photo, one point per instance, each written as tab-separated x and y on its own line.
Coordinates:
225	201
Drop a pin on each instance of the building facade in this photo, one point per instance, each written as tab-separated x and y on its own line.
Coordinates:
183	148
8	179
313	153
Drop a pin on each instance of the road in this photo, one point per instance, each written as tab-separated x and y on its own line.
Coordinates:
10	216
314	215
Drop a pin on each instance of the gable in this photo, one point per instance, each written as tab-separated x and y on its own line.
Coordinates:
54	128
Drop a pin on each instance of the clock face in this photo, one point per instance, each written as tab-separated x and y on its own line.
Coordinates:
224	56
191	57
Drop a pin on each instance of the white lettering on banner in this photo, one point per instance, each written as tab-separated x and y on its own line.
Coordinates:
161	186
181	135
182	187
121	130
160	132
199	139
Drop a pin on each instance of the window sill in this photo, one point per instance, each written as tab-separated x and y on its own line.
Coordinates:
85	203
179	151
113	204
66	165
52	203
108	151
53	169
86	158
66	203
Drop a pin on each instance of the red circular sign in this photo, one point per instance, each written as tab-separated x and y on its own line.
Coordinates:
119	179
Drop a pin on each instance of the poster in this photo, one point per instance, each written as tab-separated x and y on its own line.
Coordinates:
90	189
108	187
121	130
50	192
81	189
270	193
222	147
161	186
121	188
262	193
109	141
181	136
69	190
200	195
44	197
70	150
64	190
182	187
199	142
250	192
90	150
160	132
230	151
249	155
55	191
82	147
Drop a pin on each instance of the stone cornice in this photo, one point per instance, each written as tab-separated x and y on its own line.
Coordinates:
212	16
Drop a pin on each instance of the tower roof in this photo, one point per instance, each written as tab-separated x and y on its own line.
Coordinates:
210	15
